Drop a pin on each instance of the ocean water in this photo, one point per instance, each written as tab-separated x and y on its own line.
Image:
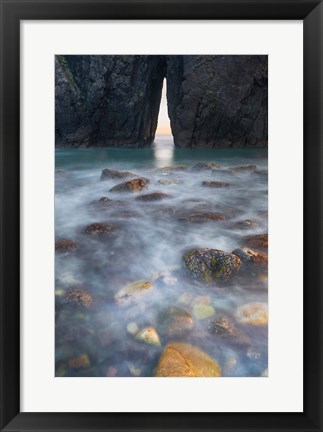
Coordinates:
148	244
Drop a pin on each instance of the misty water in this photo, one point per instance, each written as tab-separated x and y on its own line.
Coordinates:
148	245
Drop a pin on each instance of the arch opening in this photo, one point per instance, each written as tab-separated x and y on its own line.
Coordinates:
163	143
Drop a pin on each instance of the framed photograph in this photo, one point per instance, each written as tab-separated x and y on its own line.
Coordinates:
161	206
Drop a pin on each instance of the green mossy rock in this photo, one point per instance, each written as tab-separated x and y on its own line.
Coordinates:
209	266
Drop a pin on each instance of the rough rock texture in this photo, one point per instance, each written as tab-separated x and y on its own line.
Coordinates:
183	360
210	265
107	100
218	101
175	322
213	101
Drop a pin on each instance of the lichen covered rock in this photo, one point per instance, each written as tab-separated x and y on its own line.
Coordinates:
78	297
184	360
65	246
210	265
100	229
134	185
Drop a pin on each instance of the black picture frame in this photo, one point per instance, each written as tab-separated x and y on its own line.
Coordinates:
12	12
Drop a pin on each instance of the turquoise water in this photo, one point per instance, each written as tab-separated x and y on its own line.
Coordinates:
148	245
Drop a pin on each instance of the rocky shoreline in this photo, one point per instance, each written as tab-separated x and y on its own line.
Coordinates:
168	337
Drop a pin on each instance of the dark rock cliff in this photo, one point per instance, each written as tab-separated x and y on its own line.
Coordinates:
218	101
107	100
213	101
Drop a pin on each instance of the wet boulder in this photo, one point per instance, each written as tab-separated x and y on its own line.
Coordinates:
175	322
249	256
209	266
184	360
154	196
243	168
100	229
204	166
134	185
108	174
215	184
177	167
226	329
202	217
78	297
65	246
259	241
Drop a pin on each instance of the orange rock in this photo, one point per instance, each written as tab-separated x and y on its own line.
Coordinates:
259	241
81	362
183	360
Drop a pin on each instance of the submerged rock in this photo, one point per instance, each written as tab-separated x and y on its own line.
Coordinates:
65	246
132	328
203	166
203	217
78	297
259	241
215	184
148	335
82	362
244	224
210	265
251	257
134	185
154	196
108	174
255	314
175	322
223	327
185	298
184	360
169	181
242	168
203	311
100	229
177	167
133	291
105	200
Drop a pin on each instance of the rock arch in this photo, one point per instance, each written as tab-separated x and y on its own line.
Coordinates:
213	101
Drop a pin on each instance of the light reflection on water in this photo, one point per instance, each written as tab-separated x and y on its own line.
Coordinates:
163	151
